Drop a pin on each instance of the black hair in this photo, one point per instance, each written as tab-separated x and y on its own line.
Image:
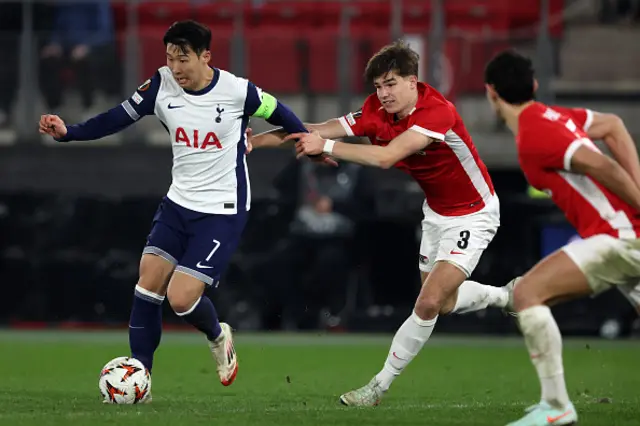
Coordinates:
188	35
512	76
398	57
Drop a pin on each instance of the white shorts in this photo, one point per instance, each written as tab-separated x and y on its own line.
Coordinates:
459	240
607	261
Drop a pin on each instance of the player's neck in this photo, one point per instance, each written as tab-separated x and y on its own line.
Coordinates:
511	114
409	109
208	77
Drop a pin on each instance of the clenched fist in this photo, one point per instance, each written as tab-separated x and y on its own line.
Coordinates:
53	126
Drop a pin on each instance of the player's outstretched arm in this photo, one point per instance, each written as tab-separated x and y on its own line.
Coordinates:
141	103
404	145
611	129
329	129
107	123
608	172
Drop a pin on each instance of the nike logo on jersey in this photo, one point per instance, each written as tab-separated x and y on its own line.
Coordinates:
201	266
455	252
174	106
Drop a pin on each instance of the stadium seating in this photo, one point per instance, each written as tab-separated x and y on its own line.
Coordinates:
292	46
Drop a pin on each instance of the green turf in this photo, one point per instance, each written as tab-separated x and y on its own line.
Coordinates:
51	379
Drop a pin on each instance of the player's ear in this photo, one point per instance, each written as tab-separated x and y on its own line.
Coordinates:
206	56
491	92
535	85
413	81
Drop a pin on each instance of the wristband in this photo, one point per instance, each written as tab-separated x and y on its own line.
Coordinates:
328	146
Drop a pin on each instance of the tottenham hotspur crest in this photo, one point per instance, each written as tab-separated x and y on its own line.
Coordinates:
219	111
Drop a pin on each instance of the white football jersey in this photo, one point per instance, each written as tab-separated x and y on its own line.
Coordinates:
207	132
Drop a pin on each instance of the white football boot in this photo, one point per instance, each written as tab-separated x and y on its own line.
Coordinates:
369	395
224	353
544	415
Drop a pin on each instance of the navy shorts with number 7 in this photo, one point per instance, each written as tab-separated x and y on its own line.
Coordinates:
198	244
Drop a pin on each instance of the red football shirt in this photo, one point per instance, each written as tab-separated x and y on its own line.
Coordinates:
454	179
547	139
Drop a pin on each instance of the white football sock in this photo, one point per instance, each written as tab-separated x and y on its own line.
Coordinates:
473	296
544	342
406	344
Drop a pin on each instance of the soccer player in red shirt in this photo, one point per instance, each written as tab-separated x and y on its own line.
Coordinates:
413	127
599	196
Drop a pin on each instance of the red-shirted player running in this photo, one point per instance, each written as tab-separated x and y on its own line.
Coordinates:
600	198
413	127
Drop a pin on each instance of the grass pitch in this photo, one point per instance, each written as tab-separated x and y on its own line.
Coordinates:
50	378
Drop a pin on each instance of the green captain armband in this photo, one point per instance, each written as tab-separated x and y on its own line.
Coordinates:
266	108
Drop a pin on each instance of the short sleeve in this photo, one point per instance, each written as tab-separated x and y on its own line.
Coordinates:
582	117
143	100
354	123
433	122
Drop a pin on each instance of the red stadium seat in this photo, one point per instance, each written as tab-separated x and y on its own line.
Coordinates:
273	60
416	17
163	14
221	49
152	52
323	55
219	15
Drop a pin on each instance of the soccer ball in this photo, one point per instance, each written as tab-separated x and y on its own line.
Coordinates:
124	380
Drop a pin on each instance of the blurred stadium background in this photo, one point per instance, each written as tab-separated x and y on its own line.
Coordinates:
74	217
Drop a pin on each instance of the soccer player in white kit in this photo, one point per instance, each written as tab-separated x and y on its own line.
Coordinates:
599	196
198	224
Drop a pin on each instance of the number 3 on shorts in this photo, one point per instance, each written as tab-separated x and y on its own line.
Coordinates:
463	243
216	246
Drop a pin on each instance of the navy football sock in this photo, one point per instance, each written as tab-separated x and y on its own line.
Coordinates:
204	317
145	325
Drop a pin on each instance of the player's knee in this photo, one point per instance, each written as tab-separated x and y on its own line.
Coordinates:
525	296
427	307
180	301
183	294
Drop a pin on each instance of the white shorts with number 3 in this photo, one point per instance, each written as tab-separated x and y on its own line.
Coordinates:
459	240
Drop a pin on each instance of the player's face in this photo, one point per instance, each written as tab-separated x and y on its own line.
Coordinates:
187	67
396	93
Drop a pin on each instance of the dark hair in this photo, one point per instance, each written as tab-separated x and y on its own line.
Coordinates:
512	76
188	34
398	57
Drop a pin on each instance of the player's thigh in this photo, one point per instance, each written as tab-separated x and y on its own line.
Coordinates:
155	272
583	267
168	236
212	242
554	279
165	245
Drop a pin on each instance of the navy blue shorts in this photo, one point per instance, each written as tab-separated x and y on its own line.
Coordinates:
198	244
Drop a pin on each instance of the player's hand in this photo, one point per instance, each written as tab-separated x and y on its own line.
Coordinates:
311	145
249	134
53	126
308	143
